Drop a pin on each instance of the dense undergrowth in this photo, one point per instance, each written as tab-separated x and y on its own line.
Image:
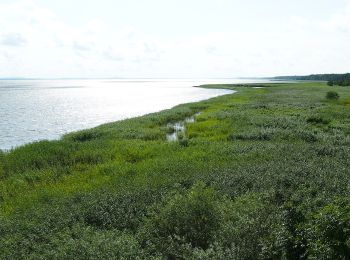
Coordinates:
263	174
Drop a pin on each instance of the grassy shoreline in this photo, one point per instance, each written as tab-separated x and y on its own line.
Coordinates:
262	174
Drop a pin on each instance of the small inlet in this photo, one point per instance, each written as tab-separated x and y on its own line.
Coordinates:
177	131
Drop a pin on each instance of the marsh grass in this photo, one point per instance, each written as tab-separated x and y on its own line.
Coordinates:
260	174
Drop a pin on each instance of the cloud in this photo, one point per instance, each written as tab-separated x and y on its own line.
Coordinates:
57	49
340	21
47	46
112	55
13	39
81	46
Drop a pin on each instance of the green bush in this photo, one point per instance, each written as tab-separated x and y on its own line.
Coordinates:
118	211
2	157
317	120
330	232
247	222
75	242
259	134
185	219
332	95
84	136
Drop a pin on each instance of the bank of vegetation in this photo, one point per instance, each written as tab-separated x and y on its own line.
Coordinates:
332	79
260	174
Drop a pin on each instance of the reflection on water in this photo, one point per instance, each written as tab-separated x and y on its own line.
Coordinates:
178	129
32	110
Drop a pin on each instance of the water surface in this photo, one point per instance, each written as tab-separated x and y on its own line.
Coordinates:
32	110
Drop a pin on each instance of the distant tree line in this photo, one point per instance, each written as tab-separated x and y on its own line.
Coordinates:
332	79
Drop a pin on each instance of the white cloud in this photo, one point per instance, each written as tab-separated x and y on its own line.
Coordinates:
340	21
55	49
13	39
46	46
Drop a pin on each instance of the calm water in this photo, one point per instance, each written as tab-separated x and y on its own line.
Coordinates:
32	110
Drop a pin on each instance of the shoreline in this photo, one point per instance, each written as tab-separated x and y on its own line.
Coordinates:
111	122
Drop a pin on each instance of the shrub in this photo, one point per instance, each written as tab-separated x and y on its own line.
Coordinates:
2	155
246	223
332	95
189	219
330	232
84	136
77	242
114	211
307	136
261	134
317	120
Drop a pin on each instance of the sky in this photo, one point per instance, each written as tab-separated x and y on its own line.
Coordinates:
173	38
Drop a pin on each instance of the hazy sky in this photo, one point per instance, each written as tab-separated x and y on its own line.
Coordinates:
173	38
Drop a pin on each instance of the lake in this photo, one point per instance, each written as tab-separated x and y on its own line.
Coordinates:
32	110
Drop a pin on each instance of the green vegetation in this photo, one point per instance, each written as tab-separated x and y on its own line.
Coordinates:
332	79
261	174
332	95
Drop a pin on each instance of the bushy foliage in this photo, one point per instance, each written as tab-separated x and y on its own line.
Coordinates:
330	231
2	155
332	95
332	79
317	120
189	219
124	211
